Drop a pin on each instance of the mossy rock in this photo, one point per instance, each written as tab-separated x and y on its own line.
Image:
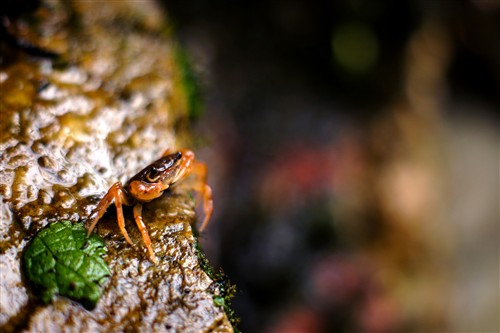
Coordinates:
90	93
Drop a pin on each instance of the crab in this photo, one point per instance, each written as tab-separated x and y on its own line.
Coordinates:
149	184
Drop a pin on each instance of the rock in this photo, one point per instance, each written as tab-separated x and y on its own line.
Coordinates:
90	93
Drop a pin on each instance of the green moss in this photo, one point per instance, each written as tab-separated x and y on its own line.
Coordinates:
227	290
190	84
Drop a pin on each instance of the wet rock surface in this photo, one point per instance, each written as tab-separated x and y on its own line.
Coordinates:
110	103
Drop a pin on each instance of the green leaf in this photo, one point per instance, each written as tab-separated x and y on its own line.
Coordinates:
61	260
219	301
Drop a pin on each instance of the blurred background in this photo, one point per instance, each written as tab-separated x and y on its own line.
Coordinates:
353	149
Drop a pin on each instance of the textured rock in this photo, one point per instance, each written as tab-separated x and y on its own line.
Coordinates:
71	126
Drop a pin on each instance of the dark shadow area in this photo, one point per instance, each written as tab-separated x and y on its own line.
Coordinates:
331	131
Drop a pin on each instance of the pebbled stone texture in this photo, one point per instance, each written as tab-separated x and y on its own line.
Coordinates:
70	126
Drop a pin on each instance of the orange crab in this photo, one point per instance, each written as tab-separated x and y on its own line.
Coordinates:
148	185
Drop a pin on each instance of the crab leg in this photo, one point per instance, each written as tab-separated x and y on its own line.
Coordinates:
201	186
115	193
208	205
144	231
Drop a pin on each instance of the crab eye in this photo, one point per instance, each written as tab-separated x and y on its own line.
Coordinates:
153	175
